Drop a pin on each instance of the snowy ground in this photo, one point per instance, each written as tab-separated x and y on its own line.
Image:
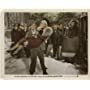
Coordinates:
18	66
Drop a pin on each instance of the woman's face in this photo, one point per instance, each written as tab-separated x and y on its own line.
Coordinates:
42	25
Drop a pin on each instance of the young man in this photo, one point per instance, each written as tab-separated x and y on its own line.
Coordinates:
37	47
56	40
16	35
61	34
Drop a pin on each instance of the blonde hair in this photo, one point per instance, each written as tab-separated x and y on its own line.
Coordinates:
44	22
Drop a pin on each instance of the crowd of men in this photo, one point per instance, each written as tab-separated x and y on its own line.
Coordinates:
39	41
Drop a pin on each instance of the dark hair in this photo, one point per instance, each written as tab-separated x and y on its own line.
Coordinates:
75	22
75	25
54	23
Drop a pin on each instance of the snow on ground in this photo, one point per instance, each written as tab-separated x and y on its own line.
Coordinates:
17	66
54	67
59	67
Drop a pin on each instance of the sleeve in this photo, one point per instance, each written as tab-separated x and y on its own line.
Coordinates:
28	34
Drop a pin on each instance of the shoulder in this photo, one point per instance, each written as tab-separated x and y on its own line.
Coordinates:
47	31
49	28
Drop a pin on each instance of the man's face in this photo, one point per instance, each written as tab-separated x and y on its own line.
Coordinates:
61	26
16	27
55	26
33	26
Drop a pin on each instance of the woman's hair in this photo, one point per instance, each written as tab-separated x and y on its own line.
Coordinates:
48	23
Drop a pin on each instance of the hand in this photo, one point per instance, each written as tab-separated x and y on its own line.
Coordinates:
25	43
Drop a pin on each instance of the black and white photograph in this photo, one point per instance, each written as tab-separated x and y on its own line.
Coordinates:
46	43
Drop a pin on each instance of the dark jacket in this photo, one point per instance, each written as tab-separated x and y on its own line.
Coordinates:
17	35
57	37
73	32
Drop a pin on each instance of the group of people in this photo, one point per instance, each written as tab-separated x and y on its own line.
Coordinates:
39	41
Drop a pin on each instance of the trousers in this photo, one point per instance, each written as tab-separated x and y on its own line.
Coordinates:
37	52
